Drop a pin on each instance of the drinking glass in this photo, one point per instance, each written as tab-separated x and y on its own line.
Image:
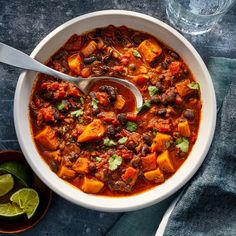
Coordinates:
196	16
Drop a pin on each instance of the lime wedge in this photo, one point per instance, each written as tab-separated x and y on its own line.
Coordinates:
19	170
27	199
10	211
6	184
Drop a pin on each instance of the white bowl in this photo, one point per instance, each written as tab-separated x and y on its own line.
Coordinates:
51	43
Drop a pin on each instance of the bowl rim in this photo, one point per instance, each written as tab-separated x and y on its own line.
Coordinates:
123	207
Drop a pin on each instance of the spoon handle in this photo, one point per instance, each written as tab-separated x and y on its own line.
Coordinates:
14	57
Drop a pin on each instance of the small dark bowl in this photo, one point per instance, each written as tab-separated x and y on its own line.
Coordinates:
45	195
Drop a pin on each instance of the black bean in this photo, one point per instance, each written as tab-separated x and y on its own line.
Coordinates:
164	65
161	112
137	39
135	162
119	186
189	114
161	78
89	60
54	166
147	139
155	100
111	131
92	94
186	72
110	91
159	86
132	66
92	167
170	96
145	150
174	55
96	111
122	118
105	69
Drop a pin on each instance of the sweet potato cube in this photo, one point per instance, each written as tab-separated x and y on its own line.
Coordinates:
183	129
66	173
81	165
47	138
75	63
165	163
149	162
130	176
92	185
155	175
89	48
149	49
182	88
159	142
120	102
94	130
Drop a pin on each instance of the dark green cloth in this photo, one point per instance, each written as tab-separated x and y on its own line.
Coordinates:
208	205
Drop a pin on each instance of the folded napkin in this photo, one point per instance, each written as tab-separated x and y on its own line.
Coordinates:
208	203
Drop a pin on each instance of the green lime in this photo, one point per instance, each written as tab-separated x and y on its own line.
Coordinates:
19	170
10	211
6	184
27	199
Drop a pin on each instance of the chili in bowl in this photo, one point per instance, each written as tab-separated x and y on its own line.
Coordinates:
99	147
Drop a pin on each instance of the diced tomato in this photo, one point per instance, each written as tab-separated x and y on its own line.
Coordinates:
130	175
48	113
74	92
140	79
102	98
60	94
109	117
124	60
131	116
178	100
118	68
174	67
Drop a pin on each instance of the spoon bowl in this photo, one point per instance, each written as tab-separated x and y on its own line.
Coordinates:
14	57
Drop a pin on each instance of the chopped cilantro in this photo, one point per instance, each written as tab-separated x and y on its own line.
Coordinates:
114	162
168	143
136	54
146	106
154	131
94	103
81	121
194	85
122	140
77	113
152	90
82	99
182	144
131	126
60	105
109	142
96	159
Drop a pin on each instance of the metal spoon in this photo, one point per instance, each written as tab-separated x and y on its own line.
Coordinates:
14	57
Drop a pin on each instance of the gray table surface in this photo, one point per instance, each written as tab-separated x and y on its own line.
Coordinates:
23	24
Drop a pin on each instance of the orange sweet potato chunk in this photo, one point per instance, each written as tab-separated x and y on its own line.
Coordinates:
149	162
155	175
183	129
150	50
165	163
159	142
94	130
92	185
47	138
182	88
75	63
89	48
